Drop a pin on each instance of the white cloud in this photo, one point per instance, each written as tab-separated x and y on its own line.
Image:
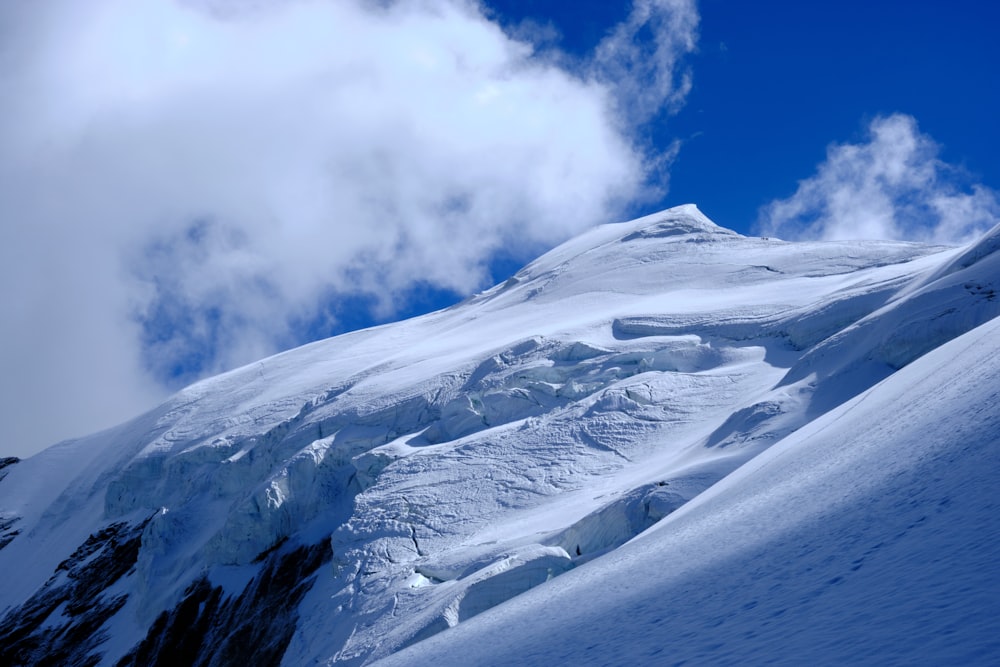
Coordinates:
648	73
181	182
893	186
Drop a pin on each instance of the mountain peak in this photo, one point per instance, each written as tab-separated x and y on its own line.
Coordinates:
676	221
343	501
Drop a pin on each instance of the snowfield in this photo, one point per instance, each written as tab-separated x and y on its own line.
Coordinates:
660	443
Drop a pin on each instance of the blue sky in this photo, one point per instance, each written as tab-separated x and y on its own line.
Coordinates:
776	81
189	185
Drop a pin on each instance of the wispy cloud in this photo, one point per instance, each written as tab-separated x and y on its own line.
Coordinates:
643	57
182	182
892	186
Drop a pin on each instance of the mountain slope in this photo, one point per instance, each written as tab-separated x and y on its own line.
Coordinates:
869	536
341	501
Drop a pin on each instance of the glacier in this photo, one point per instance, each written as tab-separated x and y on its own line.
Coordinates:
662	442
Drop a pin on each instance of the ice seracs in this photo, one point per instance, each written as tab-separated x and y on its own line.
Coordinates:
866	537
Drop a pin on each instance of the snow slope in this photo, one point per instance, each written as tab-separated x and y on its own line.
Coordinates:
761	414
868	536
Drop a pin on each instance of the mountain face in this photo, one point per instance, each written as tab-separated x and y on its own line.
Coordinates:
660	442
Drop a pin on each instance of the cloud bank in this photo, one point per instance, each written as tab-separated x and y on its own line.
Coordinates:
892	186
183	184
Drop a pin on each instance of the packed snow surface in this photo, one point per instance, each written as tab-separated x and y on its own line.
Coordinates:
869	536
660	442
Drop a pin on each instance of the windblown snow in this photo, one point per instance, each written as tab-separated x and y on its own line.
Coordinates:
660	443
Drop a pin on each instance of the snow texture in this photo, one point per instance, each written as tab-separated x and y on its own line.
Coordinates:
660	442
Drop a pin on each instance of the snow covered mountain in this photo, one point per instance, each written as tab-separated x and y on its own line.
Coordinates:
660	443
